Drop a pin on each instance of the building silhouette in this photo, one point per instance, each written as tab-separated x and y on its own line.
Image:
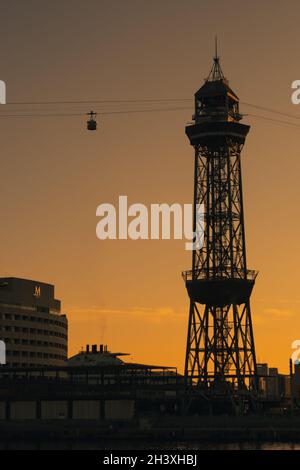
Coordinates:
34	330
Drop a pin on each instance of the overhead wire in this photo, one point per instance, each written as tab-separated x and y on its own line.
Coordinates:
138	107
280	121
93	101
128	111
271	110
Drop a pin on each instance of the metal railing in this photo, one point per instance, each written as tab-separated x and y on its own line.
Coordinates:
204	274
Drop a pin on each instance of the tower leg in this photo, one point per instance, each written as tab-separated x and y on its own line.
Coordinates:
220	355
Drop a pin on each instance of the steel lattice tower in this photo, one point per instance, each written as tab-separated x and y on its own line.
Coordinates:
220	354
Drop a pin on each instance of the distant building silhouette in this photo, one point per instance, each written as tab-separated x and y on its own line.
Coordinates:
272	384
96	357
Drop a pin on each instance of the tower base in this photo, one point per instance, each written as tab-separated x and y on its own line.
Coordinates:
220	356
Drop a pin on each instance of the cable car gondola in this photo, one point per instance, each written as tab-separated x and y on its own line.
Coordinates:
91	122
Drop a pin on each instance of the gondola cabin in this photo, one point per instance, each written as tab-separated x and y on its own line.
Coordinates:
91	122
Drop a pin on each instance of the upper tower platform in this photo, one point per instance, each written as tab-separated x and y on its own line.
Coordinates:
216	110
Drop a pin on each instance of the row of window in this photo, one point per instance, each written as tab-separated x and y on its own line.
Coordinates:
24	364
35	354
31	308
19	329
17	317
33	342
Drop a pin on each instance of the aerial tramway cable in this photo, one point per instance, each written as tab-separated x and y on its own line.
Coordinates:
110	110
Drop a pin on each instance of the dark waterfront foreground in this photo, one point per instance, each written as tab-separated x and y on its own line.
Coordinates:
107	445
198	432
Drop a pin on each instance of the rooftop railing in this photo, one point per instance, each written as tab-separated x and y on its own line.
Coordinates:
204	274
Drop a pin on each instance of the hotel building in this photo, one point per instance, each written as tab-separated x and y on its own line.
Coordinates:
34	330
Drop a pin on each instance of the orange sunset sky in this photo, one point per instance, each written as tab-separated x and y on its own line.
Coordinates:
54	174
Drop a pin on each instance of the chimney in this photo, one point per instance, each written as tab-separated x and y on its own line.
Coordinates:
101	348
87	348
94	348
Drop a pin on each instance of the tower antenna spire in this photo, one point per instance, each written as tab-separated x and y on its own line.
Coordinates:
216	71
216	48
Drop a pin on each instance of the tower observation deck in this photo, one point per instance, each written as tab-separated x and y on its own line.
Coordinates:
220	353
